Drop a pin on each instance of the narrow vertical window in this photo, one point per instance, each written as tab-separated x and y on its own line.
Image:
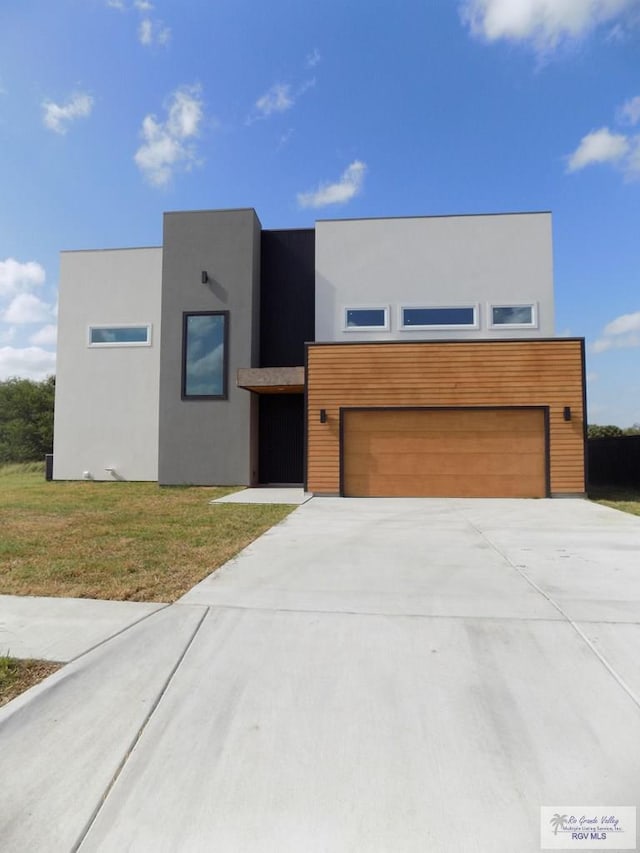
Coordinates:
204	355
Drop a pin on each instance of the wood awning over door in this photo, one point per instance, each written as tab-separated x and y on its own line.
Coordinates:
456	452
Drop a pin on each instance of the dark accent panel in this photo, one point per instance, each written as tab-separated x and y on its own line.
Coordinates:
287	296
547	448
305	419
281	450
614	461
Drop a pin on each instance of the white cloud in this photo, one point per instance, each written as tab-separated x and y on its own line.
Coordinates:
621	333
168	145
47	336
343	190
599	146
543	23
601	344
277	99
592	377
629	112
152	32
16	276
622	342
623	324
57	117
145	32
604	146
281	97
185	112
27	308
27	363
313	58
19	307
143	6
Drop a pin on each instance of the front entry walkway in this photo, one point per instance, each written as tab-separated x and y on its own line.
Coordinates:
266	495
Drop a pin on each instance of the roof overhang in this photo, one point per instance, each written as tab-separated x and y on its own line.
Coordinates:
272	380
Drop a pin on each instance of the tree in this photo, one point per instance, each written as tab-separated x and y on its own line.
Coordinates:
26	419
597	431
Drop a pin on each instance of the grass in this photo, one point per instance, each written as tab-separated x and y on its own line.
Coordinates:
16	676
117	540
617	497
14	468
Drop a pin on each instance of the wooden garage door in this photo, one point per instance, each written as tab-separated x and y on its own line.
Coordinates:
444	453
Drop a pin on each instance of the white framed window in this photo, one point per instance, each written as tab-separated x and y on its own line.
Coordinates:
517	315
119	335
437	317
369	318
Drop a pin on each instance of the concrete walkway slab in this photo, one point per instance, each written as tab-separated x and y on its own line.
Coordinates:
373	675
619	645
285	732
583	555
60	629
266	495
62	743
391	556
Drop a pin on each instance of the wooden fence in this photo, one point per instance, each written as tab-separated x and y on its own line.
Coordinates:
614	461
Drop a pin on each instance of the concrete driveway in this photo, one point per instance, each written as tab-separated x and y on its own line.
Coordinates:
370	675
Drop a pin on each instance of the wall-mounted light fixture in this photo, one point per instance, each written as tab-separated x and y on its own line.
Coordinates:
566	414
323	416
205	276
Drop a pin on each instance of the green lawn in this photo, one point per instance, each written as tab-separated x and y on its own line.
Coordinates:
16	676
627	500
117	540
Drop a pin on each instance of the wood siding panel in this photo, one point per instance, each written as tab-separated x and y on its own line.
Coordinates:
448	375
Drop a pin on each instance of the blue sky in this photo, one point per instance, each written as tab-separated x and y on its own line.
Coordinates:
113	111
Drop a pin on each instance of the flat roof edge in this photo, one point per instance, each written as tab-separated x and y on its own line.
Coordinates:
213	210
111	249
573	339
439	216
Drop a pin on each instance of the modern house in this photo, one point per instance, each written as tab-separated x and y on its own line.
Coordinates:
399	356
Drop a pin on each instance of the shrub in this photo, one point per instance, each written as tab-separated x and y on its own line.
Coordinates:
26	419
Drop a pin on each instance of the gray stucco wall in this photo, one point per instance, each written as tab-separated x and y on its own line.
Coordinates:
209	442
502	259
